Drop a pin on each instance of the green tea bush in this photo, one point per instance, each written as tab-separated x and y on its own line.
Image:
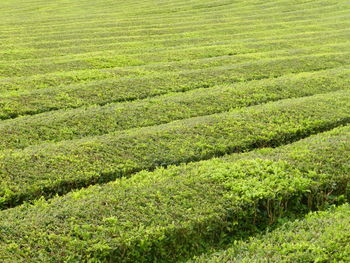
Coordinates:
173	213
48	169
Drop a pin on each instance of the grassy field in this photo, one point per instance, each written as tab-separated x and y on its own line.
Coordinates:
174	131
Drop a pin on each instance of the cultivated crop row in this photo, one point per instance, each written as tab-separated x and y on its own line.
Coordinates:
165	56
321	236
164	131
159	40
123	89
132	48
98	120
240	14
173	213
148	63
53	168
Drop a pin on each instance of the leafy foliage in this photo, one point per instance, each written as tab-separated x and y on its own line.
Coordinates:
48	169
172	213
320	237
161	113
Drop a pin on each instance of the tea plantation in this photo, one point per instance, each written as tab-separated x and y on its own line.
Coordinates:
174	131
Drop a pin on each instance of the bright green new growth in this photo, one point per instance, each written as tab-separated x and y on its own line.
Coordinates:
62	64
148	126
320	237
126	89
96	120
171	213
57	168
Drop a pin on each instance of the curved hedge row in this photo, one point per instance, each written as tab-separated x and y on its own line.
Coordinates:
214	49
152	61
47	169
320	237
173	213
98	120
124	89
106	35
93	92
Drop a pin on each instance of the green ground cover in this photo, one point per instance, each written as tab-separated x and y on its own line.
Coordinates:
158	131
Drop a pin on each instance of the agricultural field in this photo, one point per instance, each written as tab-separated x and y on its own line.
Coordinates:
174	131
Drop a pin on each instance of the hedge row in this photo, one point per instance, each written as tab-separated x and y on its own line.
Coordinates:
99	120
320	237
208	33
113	90
234	47
47	169
242	50
112	59
171	20
175	26
173	213
133	45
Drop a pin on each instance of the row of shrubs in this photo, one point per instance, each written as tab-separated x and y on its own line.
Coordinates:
98	120
102	36
174	213
188	52
320	237
52	168
138	63
126	89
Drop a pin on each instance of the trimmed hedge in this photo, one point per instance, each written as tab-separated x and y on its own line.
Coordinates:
107	35
125	89
320	237
91	72
215	49
47	169
77	123
172	213
148	63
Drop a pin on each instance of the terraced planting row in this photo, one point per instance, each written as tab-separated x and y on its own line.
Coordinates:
320	237
174	131
77	123
339	7
136	44
174	31
132	49
172	213
123	89
248	12
193	58
241	52
47	169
